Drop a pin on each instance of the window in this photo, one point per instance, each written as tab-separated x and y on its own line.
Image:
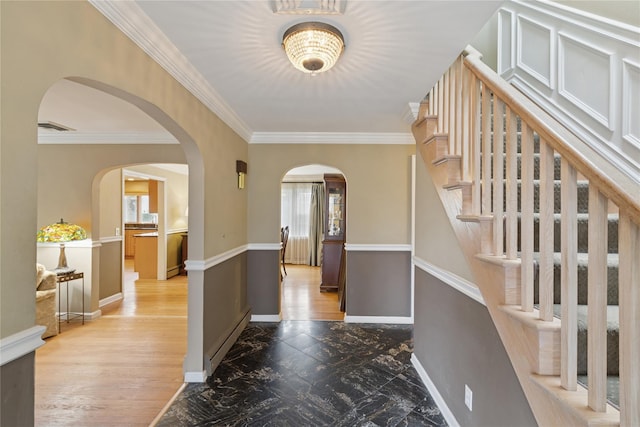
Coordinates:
294	209
137	209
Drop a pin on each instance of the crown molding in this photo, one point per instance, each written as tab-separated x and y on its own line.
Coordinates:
106	138
392	138
135	24
411	113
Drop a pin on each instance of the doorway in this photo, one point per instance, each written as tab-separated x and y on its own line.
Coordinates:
302	211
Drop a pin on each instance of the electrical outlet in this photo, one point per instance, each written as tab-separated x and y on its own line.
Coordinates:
468	397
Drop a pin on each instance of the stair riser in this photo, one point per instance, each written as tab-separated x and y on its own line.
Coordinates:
613	339
583	272
583	196
583	235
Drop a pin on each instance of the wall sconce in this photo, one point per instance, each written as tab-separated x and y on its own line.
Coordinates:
241	169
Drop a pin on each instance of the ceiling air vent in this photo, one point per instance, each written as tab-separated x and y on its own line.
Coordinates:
54	126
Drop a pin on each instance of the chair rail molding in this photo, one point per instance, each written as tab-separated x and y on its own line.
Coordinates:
19	344
448	278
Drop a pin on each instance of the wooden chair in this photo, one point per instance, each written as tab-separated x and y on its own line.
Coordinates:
284	238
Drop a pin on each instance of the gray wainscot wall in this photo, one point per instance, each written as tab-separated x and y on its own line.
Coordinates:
457	344
378	285
226	308
263	286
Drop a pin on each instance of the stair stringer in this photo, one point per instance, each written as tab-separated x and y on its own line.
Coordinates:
533	346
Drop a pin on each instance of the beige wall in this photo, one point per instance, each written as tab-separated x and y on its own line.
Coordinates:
79	170
378	188
111	204
436	241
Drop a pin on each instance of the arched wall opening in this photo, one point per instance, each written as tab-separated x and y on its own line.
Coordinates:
42	43
307	293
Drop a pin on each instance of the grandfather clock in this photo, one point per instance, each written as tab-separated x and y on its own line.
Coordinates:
335	221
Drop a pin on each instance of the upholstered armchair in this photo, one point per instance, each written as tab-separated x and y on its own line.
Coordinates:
46	300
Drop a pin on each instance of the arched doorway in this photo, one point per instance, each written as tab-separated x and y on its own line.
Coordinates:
304	293
98	206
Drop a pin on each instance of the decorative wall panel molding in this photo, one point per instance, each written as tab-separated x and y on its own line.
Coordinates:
507	42
631	103
582	69
585	77
537	58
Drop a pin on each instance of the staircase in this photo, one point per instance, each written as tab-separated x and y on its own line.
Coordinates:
551	232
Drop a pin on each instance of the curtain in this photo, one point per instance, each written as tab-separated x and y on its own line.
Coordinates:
294	208
316	224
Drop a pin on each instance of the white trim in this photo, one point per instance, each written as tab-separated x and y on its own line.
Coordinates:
135	24
395	320
563	38
111	138
111	239
549	79
20	344
177	231
266	317
355	247
453	280
610	152
203	265
410	114
413	233
433	391
392	138
93	315
195	377
264	246
108	300
627	102
130	173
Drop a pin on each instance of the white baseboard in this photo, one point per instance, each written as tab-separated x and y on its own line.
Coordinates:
109	300
433	391
93	315
195	377
266	317
397	320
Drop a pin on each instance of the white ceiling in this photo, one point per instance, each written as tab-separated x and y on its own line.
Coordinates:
228	53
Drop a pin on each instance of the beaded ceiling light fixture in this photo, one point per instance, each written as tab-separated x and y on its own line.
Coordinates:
313	47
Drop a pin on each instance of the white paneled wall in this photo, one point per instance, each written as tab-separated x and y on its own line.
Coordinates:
583	69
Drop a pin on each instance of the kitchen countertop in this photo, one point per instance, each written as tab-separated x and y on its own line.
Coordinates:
152	234
136	226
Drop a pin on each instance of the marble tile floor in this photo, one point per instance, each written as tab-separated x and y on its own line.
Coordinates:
311	373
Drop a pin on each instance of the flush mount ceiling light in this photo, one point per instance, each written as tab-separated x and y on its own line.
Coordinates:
313	47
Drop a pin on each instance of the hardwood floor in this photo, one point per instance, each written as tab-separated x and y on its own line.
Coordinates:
124	367
120	369
302	299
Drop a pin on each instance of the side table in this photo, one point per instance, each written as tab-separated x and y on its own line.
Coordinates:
65	279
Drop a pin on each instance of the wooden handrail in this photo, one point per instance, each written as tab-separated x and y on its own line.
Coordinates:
614	184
